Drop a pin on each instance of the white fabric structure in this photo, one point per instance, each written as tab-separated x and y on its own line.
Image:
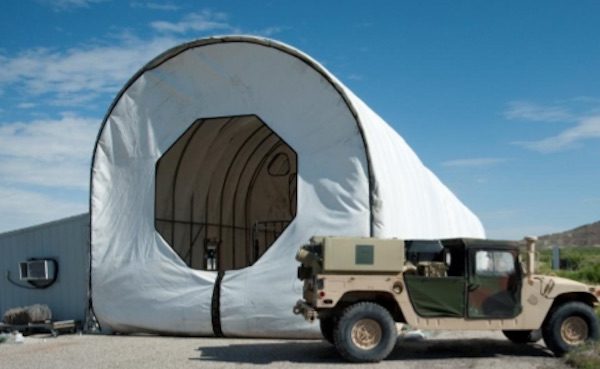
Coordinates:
209	146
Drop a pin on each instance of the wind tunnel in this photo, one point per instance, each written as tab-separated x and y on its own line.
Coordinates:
225	220
216	162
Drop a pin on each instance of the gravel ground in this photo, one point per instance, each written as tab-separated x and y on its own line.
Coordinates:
472	350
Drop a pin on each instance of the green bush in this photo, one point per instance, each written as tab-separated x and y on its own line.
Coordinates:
585	357
583	263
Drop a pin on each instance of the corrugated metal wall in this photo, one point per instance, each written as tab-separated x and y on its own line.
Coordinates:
67	241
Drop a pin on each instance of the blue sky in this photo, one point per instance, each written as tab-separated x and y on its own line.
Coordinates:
500	99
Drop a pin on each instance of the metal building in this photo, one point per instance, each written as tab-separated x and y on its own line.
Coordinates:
65	243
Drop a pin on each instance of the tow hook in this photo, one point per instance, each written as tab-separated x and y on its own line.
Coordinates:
302	308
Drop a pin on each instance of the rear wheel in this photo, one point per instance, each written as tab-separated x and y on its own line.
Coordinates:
366	332
523	336
570	325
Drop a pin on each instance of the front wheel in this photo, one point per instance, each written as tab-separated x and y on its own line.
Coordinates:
366	332
570	325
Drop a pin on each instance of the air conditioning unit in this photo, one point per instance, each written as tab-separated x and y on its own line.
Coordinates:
36	270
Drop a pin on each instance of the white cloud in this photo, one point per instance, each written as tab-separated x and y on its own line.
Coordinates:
48	153
473	162
203	21
582	113
20	208
77	76
60	5
155	6
60	174
524	110
585	129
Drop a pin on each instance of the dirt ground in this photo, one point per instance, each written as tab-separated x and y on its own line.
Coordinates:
472	350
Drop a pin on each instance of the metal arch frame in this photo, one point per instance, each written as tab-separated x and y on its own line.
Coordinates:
237	184
225	179
225	125
233	160
255	175
196	128
220	224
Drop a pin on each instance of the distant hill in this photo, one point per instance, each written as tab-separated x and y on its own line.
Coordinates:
587	235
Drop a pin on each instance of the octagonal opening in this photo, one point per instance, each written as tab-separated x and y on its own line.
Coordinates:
225	191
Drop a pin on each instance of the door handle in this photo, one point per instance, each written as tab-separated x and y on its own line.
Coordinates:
473	287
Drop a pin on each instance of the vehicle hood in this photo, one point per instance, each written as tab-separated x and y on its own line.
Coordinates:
552	286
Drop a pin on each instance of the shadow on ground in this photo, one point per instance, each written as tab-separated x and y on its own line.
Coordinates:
322	352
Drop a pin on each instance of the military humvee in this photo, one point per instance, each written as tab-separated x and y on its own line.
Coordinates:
358	288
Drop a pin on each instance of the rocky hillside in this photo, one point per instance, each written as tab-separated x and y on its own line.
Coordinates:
587	235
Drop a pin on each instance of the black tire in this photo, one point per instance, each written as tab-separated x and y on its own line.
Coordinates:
523	336
327	325
575	314
379	333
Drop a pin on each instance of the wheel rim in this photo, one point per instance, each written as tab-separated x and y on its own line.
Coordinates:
574	330
366	334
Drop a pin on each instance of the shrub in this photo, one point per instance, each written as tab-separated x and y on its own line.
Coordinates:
584	263
585	357
29	314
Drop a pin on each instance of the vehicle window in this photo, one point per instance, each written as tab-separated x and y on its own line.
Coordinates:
494	263
417	251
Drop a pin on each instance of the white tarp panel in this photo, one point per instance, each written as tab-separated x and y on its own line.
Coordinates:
355	176
411	201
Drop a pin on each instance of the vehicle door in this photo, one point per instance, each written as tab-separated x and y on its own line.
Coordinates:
437	285
494	284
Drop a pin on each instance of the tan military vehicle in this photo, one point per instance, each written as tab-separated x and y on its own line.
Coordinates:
358	288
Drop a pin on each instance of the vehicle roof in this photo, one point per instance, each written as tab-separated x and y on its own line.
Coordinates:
474	243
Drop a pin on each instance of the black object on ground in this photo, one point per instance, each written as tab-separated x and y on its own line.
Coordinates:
55	328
